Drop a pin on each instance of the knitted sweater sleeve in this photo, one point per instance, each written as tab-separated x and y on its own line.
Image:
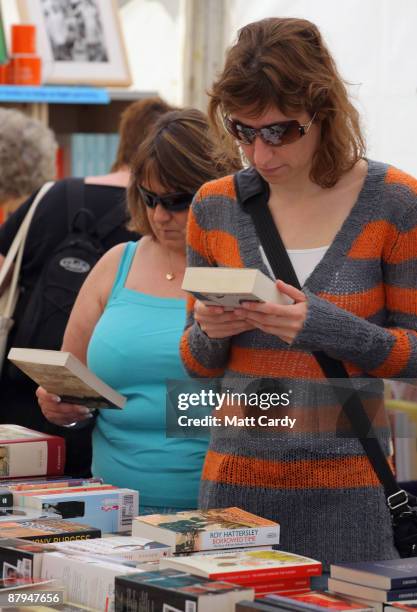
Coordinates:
382	351
202	356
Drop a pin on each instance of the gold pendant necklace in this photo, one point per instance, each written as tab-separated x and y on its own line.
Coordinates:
170	275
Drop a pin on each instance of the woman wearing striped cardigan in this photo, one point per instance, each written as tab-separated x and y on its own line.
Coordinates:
349	225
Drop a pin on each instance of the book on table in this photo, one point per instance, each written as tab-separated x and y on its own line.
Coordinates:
62	374
195	530
386	574
229	287
371	593
26	452
175	591
48	530
246	567
316	601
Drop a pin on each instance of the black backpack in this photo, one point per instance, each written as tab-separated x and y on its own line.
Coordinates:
46	313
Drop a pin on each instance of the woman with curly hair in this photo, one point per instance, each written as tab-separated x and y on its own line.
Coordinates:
349	226
27	158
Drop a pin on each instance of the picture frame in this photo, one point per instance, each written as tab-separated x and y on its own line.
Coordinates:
80	41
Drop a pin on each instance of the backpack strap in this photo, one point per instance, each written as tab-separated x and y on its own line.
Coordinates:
253	195
116	216
75	194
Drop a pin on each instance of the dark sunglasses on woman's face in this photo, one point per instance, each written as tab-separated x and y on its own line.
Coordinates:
174	202
276	134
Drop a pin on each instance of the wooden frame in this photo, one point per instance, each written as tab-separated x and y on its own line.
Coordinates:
80	41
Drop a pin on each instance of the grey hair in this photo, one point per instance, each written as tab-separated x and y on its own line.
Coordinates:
27	154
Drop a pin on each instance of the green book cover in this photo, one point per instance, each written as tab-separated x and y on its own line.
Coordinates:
3	48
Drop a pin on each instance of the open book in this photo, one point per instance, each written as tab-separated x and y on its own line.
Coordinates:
229	287
63	374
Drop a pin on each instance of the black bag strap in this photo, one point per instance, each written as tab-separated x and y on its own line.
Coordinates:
256	205
75	194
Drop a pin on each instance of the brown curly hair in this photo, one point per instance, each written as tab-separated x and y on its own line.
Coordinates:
284	62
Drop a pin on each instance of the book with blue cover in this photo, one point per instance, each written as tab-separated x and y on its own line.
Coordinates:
390	574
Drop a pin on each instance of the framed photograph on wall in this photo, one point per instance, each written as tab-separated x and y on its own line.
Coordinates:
80	41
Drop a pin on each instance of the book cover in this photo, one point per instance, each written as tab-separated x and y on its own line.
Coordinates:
127	547
229	287
174	591
25	452
62	373
253	565
317	601
391	574
111	510
371	593
20	558
47	530
35	498
89	581
207	529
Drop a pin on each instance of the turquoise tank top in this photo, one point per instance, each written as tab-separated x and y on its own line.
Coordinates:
134	349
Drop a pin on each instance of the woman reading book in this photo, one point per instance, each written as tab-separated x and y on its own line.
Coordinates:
129	316
349	226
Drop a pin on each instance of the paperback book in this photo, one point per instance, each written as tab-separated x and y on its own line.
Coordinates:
371	593
229	287
64	375
89	580
316	601
111	509
174	591
26	452
197	530
48	530
391	574
254	566
126	547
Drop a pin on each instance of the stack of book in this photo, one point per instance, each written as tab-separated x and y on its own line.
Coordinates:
88	502
268	571
208	531
175	591
377	583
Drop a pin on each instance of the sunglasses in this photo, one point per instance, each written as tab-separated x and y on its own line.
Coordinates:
276	134
174	202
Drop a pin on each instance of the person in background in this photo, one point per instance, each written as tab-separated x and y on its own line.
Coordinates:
349	226
129	316
48	229
27	158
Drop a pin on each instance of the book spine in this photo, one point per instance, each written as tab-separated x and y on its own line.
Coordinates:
401	583
56	456
401	594
279	583
64	536
296	572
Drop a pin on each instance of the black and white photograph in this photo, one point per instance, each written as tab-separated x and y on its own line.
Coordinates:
80	41
75	30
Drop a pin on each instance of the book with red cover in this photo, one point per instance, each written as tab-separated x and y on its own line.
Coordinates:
248	566
317	601
26	452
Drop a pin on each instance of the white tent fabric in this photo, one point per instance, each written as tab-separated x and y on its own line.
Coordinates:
374	43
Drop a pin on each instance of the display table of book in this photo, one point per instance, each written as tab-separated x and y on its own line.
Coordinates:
83	541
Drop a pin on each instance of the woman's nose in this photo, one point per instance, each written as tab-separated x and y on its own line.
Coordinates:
262	152
161	214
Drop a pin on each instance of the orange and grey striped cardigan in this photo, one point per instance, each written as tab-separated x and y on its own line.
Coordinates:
362	309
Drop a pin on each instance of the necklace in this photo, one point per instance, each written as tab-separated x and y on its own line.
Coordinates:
170	275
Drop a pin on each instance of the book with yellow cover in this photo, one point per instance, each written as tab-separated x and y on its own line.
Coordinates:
195	530
63	374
